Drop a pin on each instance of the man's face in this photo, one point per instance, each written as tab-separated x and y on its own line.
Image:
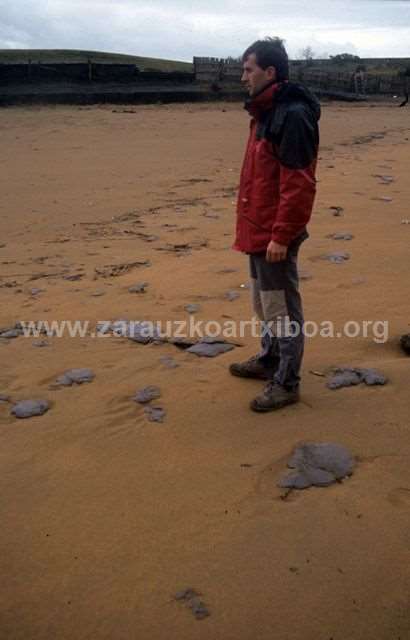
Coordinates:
254	77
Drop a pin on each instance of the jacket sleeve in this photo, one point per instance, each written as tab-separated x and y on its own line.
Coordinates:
297	153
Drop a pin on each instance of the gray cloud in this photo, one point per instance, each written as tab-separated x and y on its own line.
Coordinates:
180	28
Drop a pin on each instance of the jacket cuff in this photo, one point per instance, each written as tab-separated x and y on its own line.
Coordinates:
281	238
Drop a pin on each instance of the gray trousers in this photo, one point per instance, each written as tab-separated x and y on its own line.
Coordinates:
277	302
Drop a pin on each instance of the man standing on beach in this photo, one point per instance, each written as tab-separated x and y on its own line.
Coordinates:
276	194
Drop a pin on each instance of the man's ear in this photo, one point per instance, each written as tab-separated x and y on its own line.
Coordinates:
271	71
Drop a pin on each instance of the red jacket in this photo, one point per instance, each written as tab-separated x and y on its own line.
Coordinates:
277	186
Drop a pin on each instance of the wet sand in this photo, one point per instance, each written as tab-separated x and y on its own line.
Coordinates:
105	515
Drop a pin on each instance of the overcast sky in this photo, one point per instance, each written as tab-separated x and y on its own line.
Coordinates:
180	29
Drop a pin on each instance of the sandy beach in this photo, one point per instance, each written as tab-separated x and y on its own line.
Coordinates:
106	516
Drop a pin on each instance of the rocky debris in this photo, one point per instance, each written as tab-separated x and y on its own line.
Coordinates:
405	343
11	332
208	214
4	398
369	138
98	293
46	274
231	295
226	270
186	594
147	394
146	332
336	211
191	599
383	198
317	463
155	414
103	328
61	240
383	179
42	259
40	343
198	608
176	229
192	308
115	270
195	180
74	277
10	285
210	347
344	378
75	376
168	362
340	236
139	287
337	258
35	291
304	275
143	332
30	408
146	237
182	343
129	216
371	377
182	229
183	247
351	376
123	111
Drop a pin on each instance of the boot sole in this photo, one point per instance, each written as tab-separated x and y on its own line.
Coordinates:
279	405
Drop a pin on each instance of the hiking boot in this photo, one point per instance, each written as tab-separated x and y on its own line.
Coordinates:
252	368
274	397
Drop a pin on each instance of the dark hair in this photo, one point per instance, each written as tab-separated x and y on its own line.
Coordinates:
270	52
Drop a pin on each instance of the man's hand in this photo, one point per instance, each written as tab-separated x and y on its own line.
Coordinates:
276	252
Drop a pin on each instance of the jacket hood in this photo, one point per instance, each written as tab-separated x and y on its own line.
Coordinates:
293	92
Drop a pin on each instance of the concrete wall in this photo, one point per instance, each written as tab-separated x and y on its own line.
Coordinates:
83	72
224	72
217	70
349	82
214	76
